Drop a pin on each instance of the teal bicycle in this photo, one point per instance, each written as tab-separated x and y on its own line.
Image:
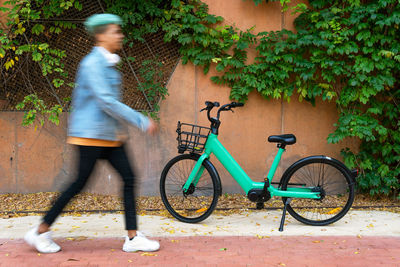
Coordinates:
316	190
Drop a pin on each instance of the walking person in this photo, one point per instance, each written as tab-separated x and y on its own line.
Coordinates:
94	127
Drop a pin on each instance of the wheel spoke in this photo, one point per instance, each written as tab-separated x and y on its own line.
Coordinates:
199	201
337	192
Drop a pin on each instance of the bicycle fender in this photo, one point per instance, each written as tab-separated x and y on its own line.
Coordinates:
219	184
320	158
206	161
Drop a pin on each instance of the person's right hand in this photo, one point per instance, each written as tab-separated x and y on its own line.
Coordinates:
153	128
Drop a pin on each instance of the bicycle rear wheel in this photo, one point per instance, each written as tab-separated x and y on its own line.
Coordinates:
200	201
322	174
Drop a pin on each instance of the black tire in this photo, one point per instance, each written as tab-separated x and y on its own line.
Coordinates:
327	175
199	204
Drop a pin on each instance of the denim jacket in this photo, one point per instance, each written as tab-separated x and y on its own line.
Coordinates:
96	108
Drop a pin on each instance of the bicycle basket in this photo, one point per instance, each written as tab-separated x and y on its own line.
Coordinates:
191	137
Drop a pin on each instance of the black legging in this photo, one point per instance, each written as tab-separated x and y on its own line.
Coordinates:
88	155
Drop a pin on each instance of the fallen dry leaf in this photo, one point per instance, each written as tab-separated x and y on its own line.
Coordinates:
201	210
148	254
11	204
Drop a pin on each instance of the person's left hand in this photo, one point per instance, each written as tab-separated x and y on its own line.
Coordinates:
153	128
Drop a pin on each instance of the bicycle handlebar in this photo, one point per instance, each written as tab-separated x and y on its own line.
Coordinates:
210	105
230	106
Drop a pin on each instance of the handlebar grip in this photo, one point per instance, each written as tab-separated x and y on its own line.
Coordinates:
235	104
210	104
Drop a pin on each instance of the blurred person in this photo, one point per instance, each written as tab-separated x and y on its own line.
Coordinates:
95	127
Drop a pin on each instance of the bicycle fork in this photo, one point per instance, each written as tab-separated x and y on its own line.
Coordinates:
195	175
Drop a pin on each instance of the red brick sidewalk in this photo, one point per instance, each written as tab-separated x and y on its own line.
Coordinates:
214	251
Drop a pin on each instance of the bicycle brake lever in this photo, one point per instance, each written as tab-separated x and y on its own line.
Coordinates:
228	109
203	109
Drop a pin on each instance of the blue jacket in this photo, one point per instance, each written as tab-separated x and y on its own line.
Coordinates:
96	108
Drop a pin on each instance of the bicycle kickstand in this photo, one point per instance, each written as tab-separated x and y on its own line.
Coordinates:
284	214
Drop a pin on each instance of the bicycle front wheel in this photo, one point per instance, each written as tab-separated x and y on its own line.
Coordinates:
200	200
320	174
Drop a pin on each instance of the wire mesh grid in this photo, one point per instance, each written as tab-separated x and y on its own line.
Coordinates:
26	75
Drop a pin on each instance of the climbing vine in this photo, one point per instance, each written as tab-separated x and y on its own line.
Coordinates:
347	52
343	51
20	15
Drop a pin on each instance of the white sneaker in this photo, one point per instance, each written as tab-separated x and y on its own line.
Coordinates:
140	242
42	242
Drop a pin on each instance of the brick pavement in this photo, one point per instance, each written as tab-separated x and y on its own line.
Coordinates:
213	251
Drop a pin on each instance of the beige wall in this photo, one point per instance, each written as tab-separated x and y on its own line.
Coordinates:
2	15
39	160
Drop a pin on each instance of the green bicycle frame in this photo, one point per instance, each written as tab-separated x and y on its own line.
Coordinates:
214	146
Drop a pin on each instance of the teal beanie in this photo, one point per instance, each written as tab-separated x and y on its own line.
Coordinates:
101	19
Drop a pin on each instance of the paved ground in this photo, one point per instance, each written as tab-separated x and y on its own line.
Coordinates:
253	223
361	238
214	251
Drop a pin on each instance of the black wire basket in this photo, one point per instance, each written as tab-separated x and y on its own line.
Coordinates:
191	138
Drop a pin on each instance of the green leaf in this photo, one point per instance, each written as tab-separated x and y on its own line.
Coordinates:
185	39
37	29
242	45
36	56
364	35
199	28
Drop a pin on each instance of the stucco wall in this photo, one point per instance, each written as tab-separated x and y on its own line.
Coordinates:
2	15
39	160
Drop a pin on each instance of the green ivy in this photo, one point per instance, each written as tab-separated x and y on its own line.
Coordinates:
139	17
347	52
284	3
39	111
20	14
152	85
143	19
